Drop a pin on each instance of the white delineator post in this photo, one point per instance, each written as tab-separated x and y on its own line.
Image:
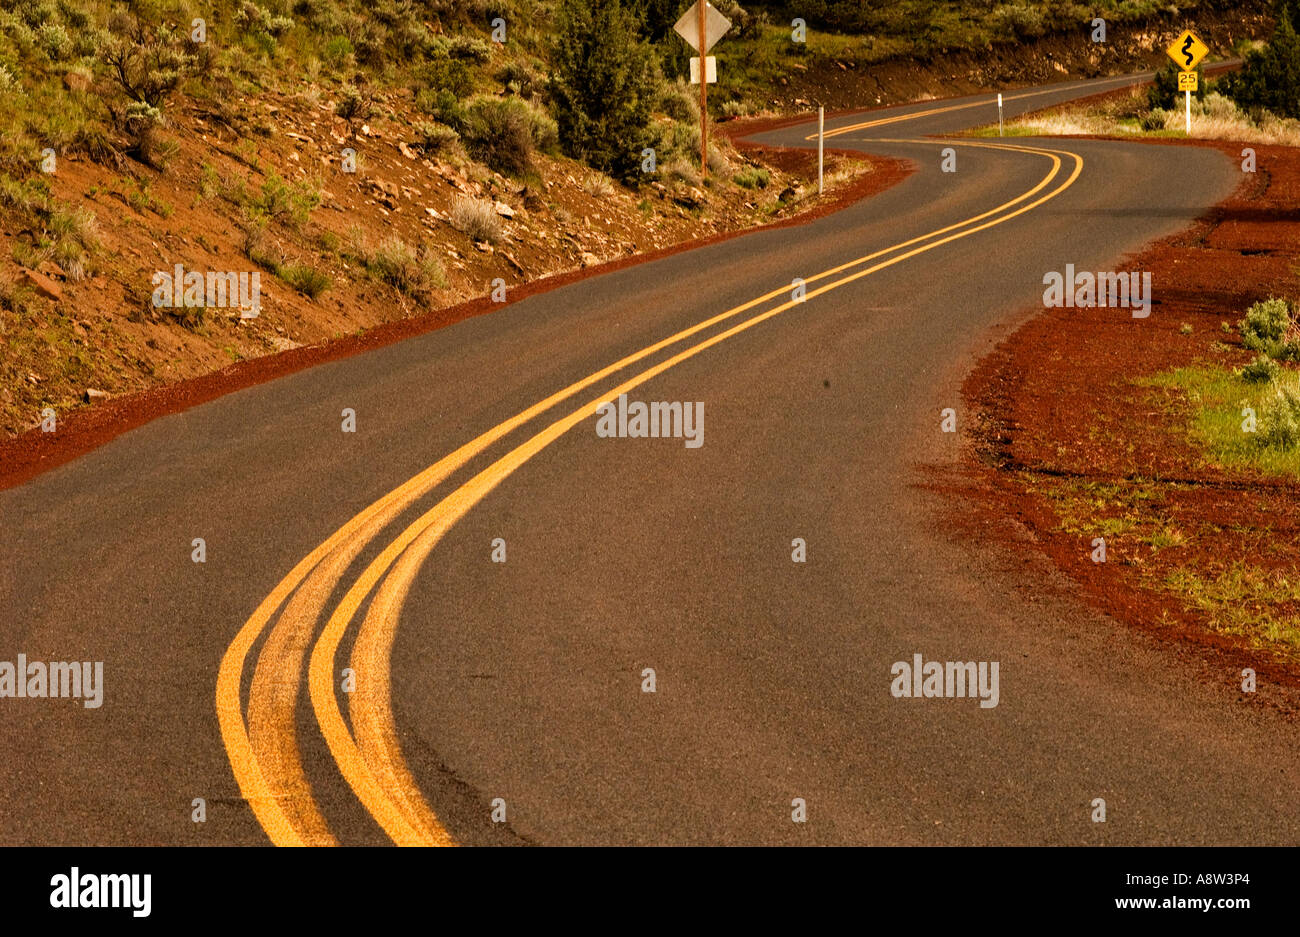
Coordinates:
821	148
999	113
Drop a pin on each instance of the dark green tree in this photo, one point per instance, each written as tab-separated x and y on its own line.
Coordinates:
659	16
1270	77
1164	88
603	84
1290	9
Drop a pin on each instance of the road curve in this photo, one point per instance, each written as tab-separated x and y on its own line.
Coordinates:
519	683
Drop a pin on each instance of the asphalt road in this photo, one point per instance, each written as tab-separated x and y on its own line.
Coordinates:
523	680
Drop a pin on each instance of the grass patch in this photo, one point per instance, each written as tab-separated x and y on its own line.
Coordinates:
411	270
477	218
304	278
1243	600
752	178
1216	401
1213	118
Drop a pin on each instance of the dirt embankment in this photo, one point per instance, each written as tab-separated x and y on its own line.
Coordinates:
848	83
1071	443
669	229
69	338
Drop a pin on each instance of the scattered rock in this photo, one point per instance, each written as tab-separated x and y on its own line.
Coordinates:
589	259
92	394
43	285
504	210
51	269
406	150
75	81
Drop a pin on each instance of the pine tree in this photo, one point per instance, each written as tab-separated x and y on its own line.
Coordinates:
1270	77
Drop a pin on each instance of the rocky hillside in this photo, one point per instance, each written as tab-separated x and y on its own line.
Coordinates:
351	163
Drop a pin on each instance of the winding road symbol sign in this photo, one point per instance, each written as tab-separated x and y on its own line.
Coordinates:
1187	50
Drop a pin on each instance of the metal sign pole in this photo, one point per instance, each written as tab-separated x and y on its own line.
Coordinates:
704	95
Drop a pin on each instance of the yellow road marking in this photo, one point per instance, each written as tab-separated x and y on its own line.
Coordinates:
896	118
373	764
252	781
266	799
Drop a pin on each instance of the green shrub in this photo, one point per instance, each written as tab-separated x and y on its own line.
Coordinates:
444	106
1015	21
752	178
470	49
1265	326
1270	77
441	72
398	264
338	53
517	78
289	202
502	133
434	139
1260	371
352	105
1281	424
603	85
1164	92
1155	119
476	218
304	278
679	101
148	62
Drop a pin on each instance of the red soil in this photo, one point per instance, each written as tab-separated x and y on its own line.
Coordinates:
1056	404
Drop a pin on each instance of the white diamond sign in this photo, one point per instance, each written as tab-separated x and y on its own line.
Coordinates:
715	26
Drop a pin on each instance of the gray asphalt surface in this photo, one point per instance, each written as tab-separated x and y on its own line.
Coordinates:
522	680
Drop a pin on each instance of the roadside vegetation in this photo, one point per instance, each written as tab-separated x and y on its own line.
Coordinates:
1257	103
137	134
1248	417
1244	589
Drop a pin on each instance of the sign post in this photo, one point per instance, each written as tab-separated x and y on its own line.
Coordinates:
1187	51
704	92
702	26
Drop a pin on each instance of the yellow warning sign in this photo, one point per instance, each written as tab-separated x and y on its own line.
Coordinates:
1187	50
1187	81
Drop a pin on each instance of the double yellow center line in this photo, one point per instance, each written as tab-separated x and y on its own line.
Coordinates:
263	751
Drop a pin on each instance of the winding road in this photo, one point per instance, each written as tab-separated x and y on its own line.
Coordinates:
353	664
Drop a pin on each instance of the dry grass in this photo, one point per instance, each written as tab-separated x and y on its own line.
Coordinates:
477	218
1214	118
598	185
